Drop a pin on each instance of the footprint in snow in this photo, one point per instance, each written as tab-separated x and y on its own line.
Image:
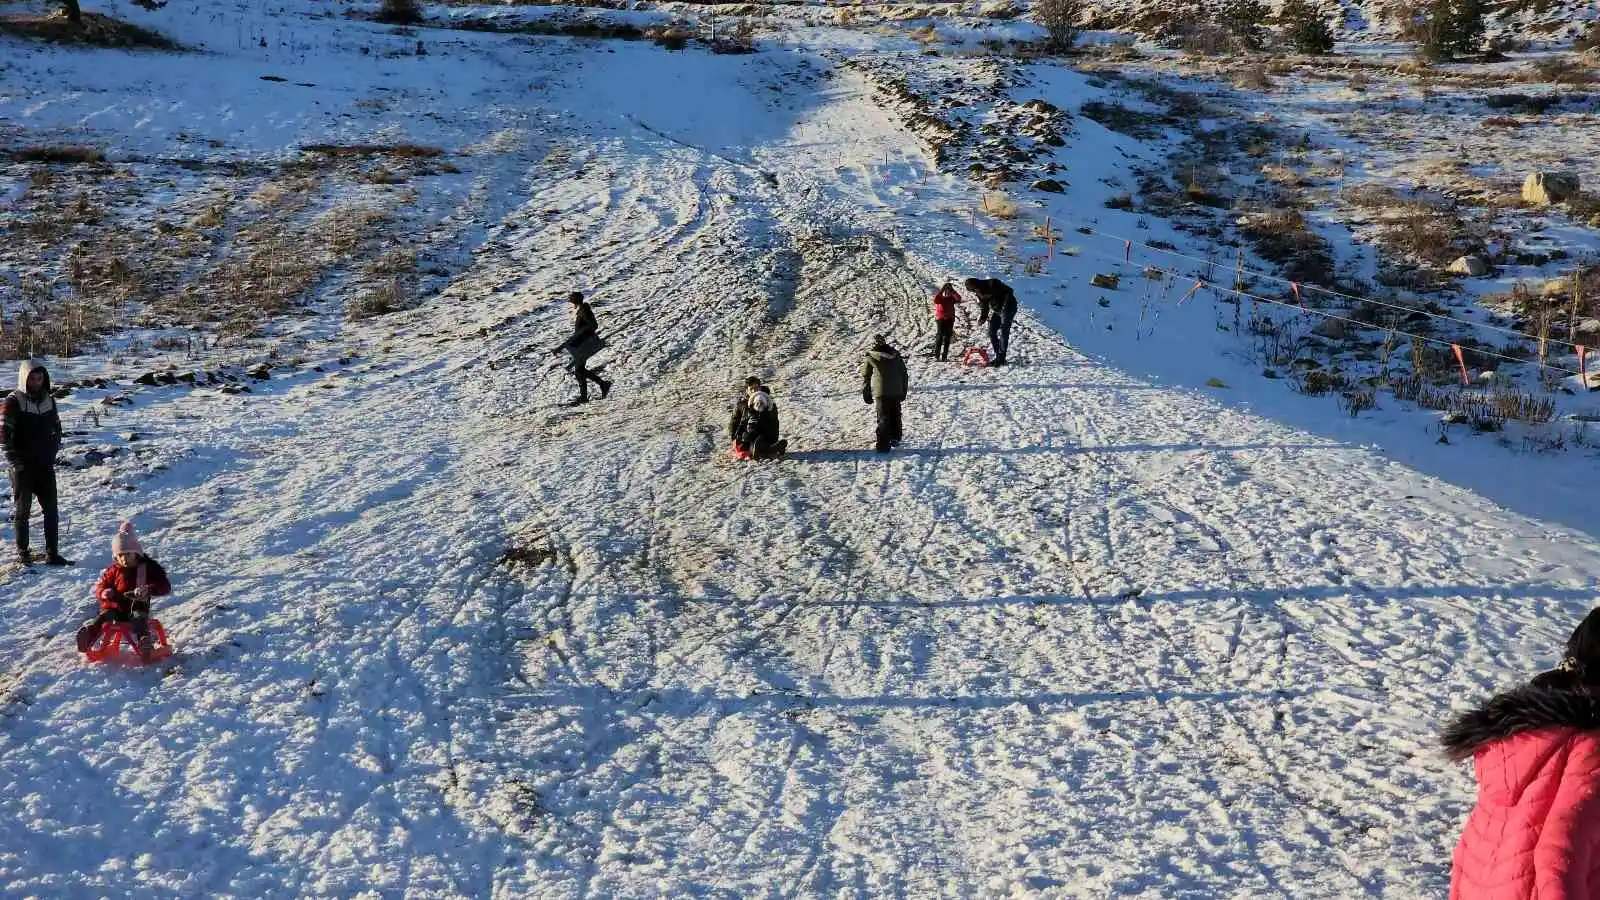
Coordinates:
1187	531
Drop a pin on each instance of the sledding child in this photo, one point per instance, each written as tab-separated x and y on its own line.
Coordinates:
124	591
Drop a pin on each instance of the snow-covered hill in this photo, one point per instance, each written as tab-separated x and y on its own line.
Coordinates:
1088	633
1540	21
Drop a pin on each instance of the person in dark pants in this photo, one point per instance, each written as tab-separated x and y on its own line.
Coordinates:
884	381
30	431
124	591
760	435
944	320
997	305
584	343
741	410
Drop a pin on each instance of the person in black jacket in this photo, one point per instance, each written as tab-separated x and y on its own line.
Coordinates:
741	409
884	382
584	343
759	436
30	431
997	305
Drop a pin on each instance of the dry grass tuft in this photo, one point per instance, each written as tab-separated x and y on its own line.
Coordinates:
95	30
364	151
61	154
998	206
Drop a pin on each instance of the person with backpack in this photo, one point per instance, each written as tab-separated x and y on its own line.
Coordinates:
30	432
997	305
1535	830
885	382
584	343
944	320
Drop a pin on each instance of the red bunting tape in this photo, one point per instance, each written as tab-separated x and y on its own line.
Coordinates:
1295	286
1192	291
1127	251
1462	362
1583	367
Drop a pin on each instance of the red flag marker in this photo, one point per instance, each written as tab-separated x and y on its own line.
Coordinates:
1295	286
1462	362
1583	366
1192	291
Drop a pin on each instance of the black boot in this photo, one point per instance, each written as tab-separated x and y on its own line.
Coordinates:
87	635
605	389
55	559
23	557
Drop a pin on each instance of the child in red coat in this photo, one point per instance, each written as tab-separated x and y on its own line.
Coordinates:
1535	831
124	590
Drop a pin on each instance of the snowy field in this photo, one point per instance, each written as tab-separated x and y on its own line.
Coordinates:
1096	630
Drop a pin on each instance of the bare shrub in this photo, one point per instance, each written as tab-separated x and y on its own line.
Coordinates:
1283	236
389	296
404	151
1559	70
93	30
1061	20
1355	402
400	12
672	37
1252	78
62	154
999	206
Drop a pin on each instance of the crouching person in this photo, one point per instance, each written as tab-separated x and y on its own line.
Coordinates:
124	591
760	435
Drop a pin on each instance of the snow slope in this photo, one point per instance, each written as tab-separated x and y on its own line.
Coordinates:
1084	635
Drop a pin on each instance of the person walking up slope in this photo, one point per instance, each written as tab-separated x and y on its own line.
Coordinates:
885	382
30	431
944	320
584	343
1535	831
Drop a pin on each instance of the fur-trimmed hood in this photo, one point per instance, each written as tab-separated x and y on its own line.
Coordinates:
1527	708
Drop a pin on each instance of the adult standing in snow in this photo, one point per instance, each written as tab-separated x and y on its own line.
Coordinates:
944	319
584	343
997	305
30	431
884	382
1535	831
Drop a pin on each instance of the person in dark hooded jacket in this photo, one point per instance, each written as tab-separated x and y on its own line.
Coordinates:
583	344
997	305
30	431
884	382
741	409
1535	830
760	435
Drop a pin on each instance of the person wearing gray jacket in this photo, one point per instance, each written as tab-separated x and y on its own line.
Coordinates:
884	382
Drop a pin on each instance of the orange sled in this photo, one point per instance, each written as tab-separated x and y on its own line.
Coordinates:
115	634
975	353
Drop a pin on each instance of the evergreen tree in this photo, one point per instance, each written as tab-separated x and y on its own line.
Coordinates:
1306	28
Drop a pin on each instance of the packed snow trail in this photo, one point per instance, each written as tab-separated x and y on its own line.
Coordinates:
1081	636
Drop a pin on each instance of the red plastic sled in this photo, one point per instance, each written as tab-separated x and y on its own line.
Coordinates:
979	353
740	453
115	634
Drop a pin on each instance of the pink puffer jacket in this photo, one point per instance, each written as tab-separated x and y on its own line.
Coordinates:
1535	831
